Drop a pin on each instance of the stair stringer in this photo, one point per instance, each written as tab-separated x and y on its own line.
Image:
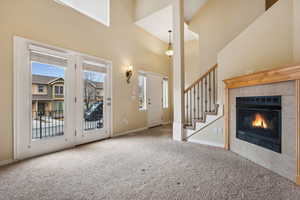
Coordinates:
199	126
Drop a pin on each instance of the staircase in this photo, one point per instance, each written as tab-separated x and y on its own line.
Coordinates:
201	107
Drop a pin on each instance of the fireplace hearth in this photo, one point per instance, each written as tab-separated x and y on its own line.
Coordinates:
259	121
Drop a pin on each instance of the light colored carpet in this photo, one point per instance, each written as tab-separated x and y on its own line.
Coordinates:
146	165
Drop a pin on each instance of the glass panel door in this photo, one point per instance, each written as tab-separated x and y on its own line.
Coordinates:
93	101
45	99
48	86
61	99
93	98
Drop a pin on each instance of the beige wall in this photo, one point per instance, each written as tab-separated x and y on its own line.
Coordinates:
123	43
144	8
267	43
296	4
35	90
217	23
191	53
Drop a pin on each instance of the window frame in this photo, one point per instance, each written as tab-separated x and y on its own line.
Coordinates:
165	94
60	90
41	89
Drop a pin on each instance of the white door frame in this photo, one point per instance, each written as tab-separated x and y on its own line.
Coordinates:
83	136
147	73
22	97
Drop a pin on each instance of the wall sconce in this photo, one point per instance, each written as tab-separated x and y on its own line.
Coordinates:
129	73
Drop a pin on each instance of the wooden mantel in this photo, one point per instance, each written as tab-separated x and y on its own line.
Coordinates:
282	74
265	77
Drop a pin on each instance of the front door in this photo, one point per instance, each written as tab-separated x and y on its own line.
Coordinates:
154	95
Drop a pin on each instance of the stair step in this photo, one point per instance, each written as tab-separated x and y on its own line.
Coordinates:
212	113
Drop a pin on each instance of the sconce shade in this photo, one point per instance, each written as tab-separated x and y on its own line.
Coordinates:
129	73
170	51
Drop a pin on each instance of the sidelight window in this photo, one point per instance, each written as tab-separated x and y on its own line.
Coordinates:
142	92
165	93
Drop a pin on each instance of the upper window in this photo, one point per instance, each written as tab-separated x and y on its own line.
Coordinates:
41	88
142	92
59	90
165	93
96	9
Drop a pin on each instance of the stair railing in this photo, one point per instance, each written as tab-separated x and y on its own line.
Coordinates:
201	98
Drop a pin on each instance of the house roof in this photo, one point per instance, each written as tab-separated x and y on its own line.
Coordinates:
38	79
57	80
45	80
97	85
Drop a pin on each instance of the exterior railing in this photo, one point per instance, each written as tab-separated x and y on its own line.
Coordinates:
201	97
47	124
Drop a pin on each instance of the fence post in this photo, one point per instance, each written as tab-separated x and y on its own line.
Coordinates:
41	129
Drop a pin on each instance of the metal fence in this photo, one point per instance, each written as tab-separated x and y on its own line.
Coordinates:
92	125
47	124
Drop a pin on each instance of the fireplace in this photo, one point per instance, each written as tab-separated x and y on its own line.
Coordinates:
259	121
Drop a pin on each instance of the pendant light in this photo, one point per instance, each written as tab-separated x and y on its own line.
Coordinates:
170	51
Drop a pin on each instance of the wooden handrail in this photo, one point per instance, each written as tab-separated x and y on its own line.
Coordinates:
201	78
201	98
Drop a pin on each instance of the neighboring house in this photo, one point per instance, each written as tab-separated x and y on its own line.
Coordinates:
93	92
48	94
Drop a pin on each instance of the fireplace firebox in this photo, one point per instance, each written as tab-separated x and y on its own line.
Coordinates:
259	121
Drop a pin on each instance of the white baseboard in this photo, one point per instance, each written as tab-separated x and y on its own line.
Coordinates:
166	123
214	144
6	162
130	131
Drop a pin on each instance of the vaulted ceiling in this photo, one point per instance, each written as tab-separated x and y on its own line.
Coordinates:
160	22
191	7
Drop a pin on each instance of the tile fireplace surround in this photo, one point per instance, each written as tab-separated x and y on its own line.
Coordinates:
284	82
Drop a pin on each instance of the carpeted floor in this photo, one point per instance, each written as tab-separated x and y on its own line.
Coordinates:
147	165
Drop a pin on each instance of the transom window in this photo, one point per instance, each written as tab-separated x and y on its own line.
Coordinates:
98	10
165	93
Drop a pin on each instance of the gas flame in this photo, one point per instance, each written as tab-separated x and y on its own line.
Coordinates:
259	122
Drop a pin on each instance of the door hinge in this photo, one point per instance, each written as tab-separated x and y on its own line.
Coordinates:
75	99
75	67
75	132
